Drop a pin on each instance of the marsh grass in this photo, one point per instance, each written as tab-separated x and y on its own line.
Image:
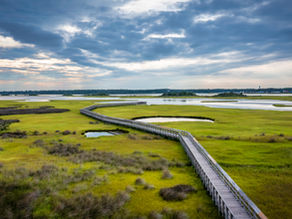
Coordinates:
106	178
134	136
21	190
90	206
132	163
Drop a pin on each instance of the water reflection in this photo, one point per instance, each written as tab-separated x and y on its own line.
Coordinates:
209	102
97	134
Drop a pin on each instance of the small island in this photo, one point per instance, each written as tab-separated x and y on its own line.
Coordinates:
229	94
179	94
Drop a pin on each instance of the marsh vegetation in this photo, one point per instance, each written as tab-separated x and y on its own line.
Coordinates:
51	169
54	168
253	146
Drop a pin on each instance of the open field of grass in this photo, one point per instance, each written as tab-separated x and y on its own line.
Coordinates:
46	173
253	146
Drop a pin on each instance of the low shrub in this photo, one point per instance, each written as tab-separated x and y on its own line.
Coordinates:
174	214
90	206
63	150
148	186
132	163
153	155
17	199
155	215
135	162
272	140
176	193
4	124
99	180
67	132
147	137
35	133
137	152
1	149
140	181
130	189
16	134
45	172
39	143
166	174
93	122
132	136
130	170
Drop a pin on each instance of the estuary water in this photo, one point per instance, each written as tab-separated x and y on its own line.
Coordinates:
222	103
209	102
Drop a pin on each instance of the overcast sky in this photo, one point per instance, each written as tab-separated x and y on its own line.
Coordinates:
79	44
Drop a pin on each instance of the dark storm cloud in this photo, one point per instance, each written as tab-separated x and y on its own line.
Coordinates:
131	43
32	34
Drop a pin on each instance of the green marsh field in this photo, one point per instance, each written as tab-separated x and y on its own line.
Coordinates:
49	173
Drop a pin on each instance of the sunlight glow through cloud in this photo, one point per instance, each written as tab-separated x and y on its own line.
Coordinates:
140	7
203	18
145	44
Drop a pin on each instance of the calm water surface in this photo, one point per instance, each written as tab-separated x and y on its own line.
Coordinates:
215	103
97	134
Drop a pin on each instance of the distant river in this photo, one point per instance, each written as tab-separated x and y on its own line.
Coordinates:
222	103
209	102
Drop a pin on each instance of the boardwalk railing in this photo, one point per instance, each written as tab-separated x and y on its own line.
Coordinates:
231	201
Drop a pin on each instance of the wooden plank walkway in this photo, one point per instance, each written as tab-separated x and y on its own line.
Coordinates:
226	194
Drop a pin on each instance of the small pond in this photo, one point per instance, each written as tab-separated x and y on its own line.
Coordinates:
99	133
172	119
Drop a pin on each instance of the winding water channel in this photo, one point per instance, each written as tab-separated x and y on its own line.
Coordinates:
258	104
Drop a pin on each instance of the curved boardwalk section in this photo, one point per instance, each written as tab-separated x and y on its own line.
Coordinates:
231	201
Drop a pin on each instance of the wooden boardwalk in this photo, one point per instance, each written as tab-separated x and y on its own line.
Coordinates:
231	201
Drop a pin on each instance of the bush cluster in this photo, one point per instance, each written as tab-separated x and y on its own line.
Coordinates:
176	193
90	206
4	124
64	150
166	174
133	163
22	190
17	199
31	111
136	162
174	214
167	213
134	136
16	134
140	181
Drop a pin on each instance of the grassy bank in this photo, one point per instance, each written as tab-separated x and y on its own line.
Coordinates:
253	146
49	170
